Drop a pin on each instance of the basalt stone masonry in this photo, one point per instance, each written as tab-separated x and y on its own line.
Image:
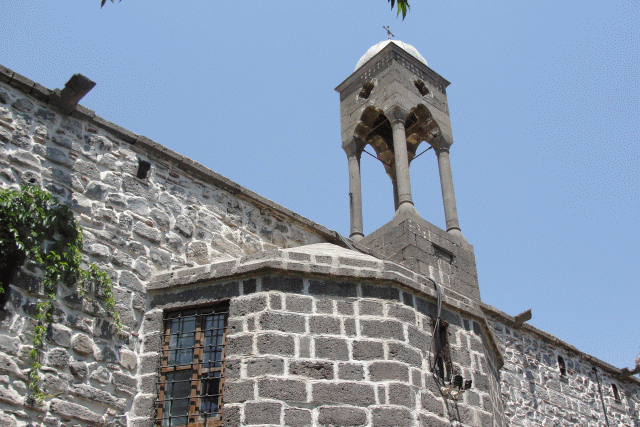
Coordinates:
320	330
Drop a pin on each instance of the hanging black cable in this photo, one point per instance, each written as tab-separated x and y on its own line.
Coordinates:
375	157
604	408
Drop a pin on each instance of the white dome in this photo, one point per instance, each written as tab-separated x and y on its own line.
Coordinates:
373	50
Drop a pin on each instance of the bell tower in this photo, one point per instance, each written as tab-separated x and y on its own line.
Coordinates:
394	102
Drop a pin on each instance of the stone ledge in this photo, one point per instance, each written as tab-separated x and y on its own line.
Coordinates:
503	317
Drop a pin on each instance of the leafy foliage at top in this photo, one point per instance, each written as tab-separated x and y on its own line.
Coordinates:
34	226
403	6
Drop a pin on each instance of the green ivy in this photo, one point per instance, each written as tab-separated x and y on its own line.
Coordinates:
34	226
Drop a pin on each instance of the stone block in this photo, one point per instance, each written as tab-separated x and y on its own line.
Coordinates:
391	329
333	289
402	313
344	416
282	322
262	413
210	293
75	411
402	395
58	357
238	391
381	292
370	308
408	355
324	325
146	232
331	348
298	304
324	306
350	371
282	345
294	417
391	417
432	404
349	393
311	369
247	305
345	308
388	371
367	350
291	285
281	389
240	345
264	366
82	344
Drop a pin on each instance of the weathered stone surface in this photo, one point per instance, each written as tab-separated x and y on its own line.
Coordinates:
151	234
58	357
262	413
82	344
79	369
349	393
10	396
329	416
75	411
85	391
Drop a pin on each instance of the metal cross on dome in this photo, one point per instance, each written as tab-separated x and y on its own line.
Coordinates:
389	33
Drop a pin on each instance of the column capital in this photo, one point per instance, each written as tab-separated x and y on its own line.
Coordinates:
396	114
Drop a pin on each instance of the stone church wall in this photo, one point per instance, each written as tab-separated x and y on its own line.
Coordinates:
180	215
537	392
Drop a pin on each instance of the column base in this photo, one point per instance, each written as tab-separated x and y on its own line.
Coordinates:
356	237
456	232
406	209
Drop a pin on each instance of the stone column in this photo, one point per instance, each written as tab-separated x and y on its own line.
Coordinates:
448	196
405	202
355	196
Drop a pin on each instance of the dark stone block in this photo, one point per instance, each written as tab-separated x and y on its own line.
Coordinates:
402	394
385	371
345	307
239	345
350	371
262	413
425	307
294	417
432	404
312	369
402	313
280	389
368	350
299	304
238	391
334	289
344	392
391	417
249	286
370	308
343	416
324	325
402	353
230	416
282	284
419	339
250	305
382	329
282	322
207	293
264	366
382	292
332	349
276	344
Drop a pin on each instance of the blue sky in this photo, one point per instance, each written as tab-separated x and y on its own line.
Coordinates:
545	109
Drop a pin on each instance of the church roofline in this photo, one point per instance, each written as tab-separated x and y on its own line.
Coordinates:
43	94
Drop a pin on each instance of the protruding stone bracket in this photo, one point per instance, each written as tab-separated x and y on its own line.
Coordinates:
74	90
626	372
525	316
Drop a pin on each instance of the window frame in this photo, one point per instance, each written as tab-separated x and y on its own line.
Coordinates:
194	417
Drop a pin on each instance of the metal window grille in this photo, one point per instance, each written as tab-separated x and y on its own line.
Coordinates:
192	370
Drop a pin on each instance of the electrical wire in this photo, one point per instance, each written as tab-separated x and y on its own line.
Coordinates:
604	408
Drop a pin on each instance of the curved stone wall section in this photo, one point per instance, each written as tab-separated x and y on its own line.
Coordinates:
536	392
314	352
